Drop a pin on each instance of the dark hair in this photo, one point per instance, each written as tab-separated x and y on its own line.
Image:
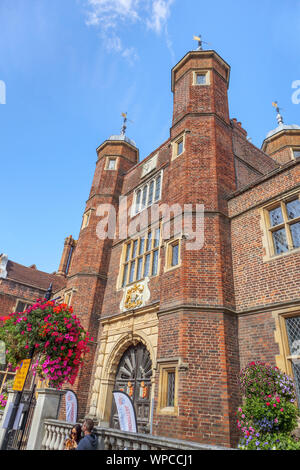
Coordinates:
89	424
77	428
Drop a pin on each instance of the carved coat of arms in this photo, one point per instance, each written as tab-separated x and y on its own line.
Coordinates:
135	296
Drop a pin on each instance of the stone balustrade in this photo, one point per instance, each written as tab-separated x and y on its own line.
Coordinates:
56	432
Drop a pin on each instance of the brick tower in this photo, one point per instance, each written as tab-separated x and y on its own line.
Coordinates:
197	323
87	274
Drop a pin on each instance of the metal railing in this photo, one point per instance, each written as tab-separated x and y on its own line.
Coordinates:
56	432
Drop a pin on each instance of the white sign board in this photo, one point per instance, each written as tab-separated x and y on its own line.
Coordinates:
126	412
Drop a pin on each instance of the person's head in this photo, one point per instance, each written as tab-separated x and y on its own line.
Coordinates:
88	426
76	432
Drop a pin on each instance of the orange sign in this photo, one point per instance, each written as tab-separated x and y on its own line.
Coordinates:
21	375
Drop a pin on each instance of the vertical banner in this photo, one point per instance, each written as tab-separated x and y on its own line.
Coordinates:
71	407
126	411
2	353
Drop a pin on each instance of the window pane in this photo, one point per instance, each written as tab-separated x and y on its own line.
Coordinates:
175	253
132	268
179	147
155	263
157	236
142	246
134	251
144	199
293	209
150	195
125	275
293	331
139	269
296	153
157	188
280	242
276	217
295	231
112	164
149	241
138	200
171	389
128	252
201	79
147	266
21	306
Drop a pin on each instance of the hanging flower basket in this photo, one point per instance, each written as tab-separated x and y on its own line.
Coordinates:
54	333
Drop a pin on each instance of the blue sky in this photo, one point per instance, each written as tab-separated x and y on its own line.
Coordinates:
71	67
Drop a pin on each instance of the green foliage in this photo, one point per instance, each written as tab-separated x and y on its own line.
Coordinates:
269	412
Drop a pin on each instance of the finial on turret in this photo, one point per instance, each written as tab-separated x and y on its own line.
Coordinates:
279	116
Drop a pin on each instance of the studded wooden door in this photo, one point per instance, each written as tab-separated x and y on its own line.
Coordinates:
134	378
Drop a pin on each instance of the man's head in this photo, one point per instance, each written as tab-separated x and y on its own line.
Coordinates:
88	426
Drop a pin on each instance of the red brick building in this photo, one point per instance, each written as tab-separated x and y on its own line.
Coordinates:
173	324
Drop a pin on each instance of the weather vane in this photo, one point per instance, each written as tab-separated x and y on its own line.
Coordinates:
124	127
279	117
200	42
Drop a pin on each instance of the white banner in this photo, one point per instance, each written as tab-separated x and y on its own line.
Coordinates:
71	407
126	412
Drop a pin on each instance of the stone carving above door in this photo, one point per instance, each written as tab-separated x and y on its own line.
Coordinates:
135	296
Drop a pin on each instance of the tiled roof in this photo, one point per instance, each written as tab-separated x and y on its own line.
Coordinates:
33	277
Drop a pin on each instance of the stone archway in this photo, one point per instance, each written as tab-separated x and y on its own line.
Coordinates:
133	376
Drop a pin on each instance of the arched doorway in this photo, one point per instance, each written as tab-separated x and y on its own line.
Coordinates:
134	378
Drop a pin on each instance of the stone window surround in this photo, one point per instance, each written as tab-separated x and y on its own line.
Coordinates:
27	304
266	226
175	144
164	368
107	162
295	150
201	72
168	253
284	359
86	218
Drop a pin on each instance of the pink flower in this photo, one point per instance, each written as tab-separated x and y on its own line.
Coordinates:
281	409
274	405
268	404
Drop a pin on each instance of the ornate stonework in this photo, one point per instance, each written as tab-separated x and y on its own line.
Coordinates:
135	296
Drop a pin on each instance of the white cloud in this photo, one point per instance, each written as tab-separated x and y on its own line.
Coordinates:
112	15
160	14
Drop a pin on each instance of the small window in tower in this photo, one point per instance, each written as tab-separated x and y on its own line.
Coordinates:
172	255
201	78
86	219
111	164
180	147
296	153
168	389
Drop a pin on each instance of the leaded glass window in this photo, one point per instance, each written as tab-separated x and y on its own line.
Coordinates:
293	332
284	226
171	389
148	194
141	257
